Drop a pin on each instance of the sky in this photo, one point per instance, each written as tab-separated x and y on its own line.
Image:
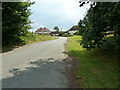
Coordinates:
61	13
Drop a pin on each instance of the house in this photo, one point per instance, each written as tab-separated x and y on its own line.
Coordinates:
42	31
109	34
73	30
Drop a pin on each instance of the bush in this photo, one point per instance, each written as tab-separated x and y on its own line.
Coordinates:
65	35
77	33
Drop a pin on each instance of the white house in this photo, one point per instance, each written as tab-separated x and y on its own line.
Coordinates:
73	30
42	31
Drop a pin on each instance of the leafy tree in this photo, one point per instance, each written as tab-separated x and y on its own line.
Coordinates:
56	28
15	22
100	18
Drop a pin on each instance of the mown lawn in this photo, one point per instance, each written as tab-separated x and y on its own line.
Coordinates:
29	40
97	68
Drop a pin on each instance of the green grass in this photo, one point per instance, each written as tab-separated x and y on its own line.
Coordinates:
98	68
40	38
30	40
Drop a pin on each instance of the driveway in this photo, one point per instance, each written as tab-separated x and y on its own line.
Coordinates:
38	65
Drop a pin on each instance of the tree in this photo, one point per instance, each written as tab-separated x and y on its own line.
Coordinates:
56	28
15	22
100	18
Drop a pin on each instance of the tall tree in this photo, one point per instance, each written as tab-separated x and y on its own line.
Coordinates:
56	28
100	18
15	22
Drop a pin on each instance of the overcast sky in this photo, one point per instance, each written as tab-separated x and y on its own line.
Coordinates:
61	13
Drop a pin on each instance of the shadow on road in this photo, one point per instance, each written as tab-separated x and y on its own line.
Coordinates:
43	73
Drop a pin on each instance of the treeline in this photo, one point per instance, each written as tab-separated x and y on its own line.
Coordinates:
15	23
100	18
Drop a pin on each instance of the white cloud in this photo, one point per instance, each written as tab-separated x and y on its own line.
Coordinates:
50	13
69	8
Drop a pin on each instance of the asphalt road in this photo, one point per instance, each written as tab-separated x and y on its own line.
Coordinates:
38	65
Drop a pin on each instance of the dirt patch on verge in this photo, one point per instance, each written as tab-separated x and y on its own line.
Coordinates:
72	66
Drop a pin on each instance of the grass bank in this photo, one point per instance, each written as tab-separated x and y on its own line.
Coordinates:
40	38
30	40
97	68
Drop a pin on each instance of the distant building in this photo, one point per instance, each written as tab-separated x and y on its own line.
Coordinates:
73	30
42	31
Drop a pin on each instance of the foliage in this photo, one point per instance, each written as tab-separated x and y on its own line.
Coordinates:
15	22
100	18
56	28
77	33
65	35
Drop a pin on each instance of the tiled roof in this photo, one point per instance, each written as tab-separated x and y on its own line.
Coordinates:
74	28
43	30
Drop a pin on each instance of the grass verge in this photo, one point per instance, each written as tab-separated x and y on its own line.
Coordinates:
30	40
40	38
97	68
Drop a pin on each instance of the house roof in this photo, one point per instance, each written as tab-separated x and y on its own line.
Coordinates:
43	30
74	28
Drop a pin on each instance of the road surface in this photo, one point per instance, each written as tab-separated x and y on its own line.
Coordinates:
38	65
